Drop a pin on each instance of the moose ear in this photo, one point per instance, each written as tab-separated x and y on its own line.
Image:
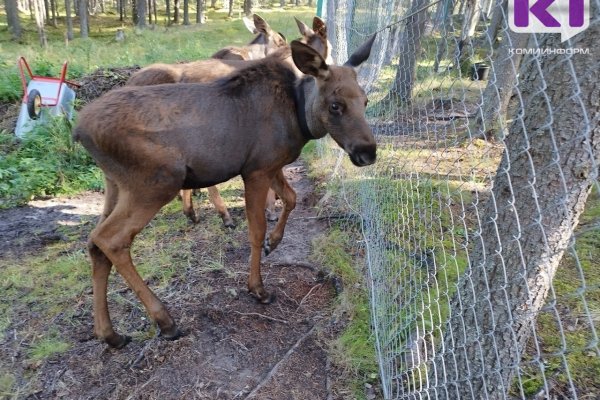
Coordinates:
319	27
308	60
249	25
261	25
304	29
361	54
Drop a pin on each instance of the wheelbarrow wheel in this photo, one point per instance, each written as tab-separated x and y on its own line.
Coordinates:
34	104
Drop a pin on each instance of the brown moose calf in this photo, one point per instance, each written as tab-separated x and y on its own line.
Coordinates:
152	141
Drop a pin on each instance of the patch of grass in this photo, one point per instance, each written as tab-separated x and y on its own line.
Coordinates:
46	163
7	384
355	348
46	347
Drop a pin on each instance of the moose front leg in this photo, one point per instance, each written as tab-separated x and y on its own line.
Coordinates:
288	197
256	187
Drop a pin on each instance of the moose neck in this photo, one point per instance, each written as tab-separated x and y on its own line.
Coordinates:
300	100
305	97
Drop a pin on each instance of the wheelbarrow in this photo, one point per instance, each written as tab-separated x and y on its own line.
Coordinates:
43	97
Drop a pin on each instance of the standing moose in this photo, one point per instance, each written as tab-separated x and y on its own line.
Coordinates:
152	141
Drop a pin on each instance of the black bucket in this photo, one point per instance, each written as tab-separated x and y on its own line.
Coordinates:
480	72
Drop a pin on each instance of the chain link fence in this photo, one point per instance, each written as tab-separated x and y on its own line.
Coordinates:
481	217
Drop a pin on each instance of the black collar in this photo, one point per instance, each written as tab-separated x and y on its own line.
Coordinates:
300	100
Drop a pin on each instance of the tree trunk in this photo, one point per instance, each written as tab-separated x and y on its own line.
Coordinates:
38	9
498	15
409	50
446	32
83	19
472	14
69	20
200	12
248	7
175	11
53	12
168	11
526	224
230	14
492	120
46	9
213	4
149	5
186	12
141	13
12	18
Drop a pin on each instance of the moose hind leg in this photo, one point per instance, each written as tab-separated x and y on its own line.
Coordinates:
270	206
101	267
288	197
114	237
215	198
188	205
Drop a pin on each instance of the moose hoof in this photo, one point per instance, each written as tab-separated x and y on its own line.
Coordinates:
172	334
262	296
193	218
228	223
117	341
272	216
267	246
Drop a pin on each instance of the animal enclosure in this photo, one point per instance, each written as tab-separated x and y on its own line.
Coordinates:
481	259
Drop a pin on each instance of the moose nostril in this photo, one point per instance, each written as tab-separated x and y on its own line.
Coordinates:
364	155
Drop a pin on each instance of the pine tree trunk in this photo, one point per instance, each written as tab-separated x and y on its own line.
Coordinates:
248	7
546	173
12	17
141	13
409	50
199	11
83	19
38	9
492	120
69	20
499	12
168	11
472	14
175	11
446	32
186	12
53	12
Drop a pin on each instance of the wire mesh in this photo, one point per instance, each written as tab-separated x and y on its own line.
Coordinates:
480	218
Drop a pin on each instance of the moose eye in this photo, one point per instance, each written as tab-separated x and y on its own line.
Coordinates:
335	108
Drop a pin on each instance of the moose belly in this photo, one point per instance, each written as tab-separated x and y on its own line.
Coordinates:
197	180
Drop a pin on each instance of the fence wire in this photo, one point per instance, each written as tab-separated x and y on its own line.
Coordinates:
481	217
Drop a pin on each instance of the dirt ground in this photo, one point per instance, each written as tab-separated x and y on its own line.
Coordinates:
233	348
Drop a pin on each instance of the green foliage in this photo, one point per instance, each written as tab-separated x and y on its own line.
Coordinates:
47	347
46	163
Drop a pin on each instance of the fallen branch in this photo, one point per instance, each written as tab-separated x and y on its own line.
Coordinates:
276	366
262	316
308	294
